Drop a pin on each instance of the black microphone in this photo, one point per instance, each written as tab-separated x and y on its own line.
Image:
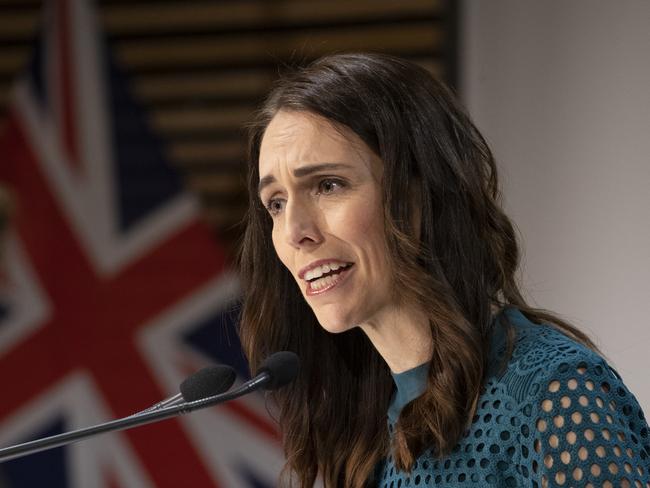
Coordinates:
276	371
204	383
282	367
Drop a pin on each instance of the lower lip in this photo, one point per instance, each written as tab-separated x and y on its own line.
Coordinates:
340	278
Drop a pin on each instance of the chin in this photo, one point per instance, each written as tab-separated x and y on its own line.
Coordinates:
334	325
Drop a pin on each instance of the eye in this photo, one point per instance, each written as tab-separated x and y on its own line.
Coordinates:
275	206
329	185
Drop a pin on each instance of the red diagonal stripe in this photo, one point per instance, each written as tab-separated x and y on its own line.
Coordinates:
95	318
261	424
29	368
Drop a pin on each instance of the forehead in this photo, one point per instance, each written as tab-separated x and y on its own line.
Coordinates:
300	138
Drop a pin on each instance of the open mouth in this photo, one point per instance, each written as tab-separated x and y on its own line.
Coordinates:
326	276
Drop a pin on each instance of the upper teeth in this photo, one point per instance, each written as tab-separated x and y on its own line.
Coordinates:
319	271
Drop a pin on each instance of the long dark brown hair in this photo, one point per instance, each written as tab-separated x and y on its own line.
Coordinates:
458	267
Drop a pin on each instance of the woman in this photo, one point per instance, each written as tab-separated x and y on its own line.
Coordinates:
376	250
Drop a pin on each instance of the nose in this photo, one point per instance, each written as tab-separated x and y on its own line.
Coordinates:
302	227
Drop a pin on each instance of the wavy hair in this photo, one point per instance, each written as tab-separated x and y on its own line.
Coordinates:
458	267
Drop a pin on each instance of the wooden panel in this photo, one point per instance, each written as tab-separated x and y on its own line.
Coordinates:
126	19
17	25
161	88
30	4
200	67
169	17
196	153
12	60
245	49
199	118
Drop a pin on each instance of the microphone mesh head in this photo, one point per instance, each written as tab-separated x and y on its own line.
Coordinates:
207	382
282	366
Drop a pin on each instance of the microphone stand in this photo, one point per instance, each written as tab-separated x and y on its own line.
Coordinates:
147	417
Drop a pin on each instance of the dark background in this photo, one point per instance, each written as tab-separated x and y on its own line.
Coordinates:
200	67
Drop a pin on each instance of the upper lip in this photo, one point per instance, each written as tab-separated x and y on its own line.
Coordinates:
320	262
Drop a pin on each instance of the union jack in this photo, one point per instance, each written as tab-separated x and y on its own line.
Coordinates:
113	288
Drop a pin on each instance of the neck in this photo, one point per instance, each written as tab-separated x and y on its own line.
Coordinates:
402	336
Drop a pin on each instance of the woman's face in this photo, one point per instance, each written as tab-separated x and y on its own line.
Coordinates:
321	187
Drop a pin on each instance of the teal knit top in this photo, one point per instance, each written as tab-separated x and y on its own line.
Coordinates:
558	415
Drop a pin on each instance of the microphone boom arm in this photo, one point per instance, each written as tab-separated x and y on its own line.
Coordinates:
147	417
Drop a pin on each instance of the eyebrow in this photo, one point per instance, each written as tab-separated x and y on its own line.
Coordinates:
302	172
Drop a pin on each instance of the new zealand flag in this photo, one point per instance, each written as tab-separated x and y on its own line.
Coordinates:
112	289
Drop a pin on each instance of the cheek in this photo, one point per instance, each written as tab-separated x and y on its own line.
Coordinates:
280	249
283	251
364	229
373	235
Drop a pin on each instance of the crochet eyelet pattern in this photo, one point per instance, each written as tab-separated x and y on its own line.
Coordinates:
558	416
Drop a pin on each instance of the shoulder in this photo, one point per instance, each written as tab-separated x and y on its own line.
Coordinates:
583	424
542	354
